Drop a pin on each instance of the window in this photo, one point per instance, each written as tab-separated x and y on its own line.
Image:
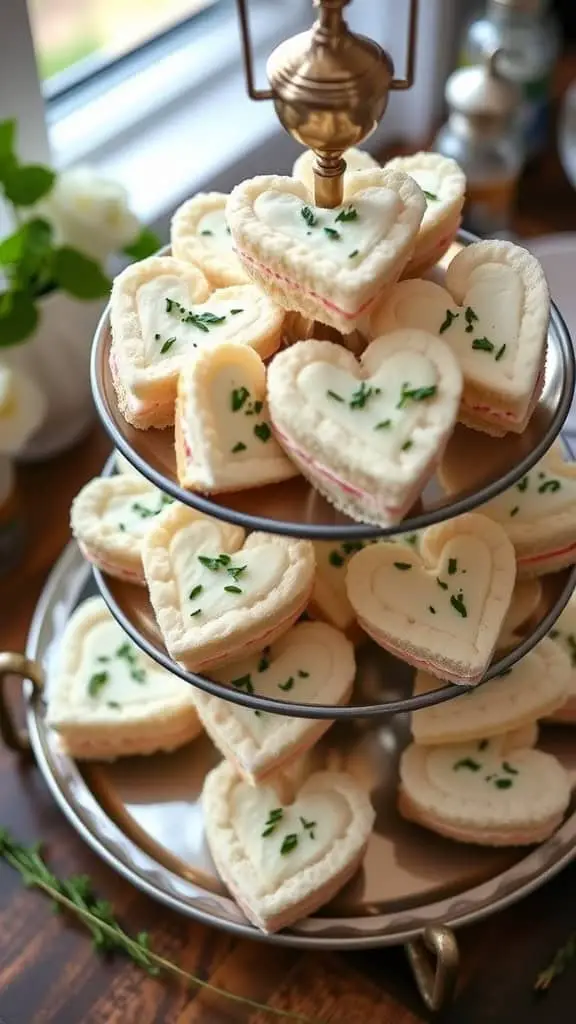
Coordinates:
73	40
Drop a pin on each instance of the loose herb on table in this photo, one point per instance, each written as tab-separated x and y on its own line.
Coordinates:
76	895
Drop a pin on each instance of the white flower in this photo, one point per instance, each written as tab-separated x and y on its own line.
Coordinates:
90	213
22	409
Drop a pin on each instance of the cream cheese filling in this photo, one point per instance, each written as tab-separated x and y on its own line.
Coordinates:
326	814
364	221
213	229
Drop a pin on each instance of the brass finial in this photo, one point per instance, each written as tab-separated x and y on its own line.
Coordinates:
330	88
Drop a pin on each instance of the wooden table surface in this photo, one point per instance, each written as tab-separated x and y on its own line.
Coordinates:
49	973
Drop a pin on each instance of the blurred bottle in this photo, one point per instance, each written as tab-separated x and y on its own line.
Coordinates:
482	135
530	37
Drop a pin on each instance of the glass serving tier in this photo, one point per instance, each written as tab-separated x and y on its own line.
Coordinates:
294	508
383	683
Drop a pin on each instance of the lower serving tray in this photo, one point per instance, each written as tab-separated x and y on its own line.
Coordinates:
144	817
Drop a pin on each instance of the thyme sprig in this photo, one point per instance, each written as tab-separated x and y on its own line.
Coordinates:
75	895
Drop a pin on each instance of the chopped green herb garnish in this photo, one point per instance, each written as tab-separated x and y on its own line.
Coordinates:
457	602
335	396
126	651
360	397
156	337
235	571
352	254
194	614
503	783
403	566
206	232
96	682
238	447
441	584
482	344
483	744
308	216
409	394
430	195
500	353
466	762
383	425
196	591
274	817
509	768
470	318
262	431
554	634
335	559
350	213
167	345
448	321
122	527
138	675
243	683
523	484
214	564
407	446
258	406
233	590
112	704
235	311
302	674
452	566
549	485
103	658
431	609
287	685
514	511
170	304
350	546
289	843
333	234
238	398
264	662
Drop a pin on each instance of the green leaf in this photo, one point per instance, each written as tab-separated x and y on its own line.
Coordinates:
18	318
25	185
11	247
7	139
78	275
145	244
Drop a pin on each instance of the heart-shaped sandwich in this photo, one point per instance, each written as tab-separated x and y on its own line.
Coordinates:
329	265
218	596
312	662
223	436
283	862
443	183
526	600
441	610
367	434
564	635
538	513
106	699
356	160
329	600
533	688
493	313
163	311
199	234
110	516
482	796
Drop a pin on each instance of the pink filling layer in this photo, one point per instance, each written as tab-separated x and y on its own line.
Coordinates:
297	286
255	643
110	567
400	652
499	414
546	555
322	471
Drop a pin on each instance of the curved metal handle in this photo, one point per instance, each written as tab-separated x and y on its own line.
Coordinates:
253	92
434	961
408	81
15	737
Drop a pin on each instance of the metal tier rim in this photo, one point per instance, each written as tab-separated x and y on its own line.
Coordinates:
354	531
445	692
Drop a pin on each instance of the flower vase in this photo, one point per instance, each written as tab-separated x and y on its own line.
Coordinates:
57	359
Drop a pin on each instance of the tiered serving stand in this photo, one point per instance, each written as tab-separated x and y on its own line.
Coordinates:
144	815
